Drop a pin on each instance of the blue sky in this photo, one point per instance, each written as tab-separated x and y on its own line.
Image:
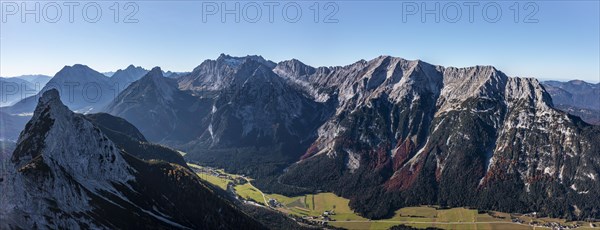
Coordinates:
562	44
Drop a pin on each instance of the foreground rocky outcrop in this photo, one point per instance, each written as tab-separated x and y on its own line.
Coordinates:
65	173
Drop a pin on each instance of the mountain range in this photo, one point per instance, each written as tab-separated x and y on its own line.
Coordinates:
83	89
382	132
576	97
223	106
409	133
386	133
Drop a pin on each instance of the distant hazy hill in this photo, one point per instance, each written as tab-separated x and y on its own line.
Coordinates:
14	89
83	89
576	97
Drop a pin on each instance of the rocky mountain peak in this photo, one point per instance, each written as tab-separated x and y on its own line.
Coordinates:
66	139
235	62
155	72
30	141
257	76
124	77
218	74
383	58
293	68
129	70
528	89
77	71
78	66
155	76
132	72
154	80
82	89
50	96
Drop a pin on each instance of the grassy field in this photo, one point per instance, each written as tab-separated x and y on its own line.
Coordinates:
194	165
420	214
316	204
219	182
329	201
289	201
467	226
246	191
455	218
249	192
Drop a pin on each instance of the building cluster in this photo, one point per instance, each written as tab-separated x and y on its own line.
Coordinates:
551	225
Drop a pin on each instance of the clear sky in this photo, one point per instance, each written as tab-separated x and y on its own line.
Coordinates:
561	40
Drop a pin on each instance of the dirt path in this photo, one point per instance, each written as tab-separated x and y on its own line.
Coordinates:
261	193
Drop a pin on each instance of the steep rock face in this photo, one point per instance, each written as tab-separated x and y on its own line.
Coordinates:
66	173
375	95
258	119
6	150
541	150
217	74
264	105
50	161
409	133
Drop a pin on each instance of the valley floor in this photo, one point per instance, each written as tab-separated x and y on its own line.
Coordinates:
329	209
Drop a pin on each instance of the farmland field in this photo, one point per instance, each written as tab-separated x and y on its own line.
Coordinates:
249	192
316	204
219	182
